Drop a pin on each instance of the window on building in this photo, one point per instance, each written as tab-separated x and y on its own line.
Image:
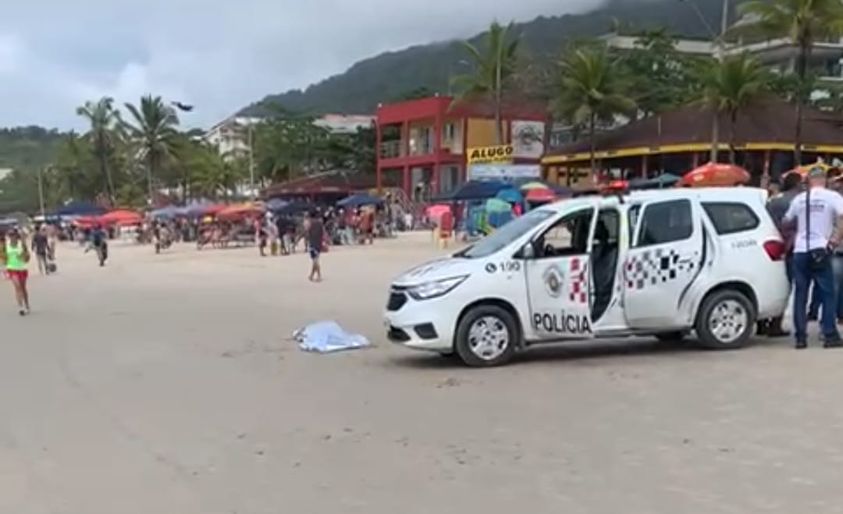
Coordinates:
666	222
730	218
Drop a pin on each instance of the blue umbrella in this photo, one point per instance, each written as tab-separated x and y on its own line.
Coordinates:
166	213
79	209
510	195
475	190
359	200
195	210
276	204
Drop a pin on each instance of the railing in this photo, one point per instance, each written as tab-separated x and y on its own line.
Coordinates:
391	150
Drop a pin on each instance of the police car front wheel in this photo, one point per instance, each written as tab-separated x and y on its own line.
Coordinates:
486	335
726	320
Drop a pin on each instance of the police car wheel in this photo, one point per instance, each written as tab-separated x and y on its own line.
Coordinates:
726	320
486	336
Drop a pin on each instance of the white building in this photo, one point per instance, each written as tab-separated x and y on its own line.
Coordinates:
344	123
5	172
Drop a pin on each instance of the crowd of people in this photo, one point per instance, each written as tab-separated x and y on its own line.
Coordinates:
809	214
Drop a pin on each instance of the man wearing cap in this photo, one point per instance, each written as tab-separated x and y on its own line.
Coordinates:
815	212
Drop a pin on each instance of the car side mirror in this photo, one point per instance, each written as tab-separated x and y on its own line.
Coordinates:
527	252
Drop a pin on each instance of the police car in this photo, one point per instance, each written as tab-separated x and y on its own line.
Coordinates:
660	263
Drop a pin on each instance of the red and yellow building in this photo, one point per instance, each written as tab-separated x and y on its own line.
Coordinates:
424	143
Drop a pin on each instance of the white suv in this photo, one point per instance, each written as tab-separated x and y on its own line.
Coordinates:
659	263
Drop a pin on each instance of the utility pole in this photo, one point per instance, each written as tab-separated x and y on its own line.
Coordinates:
251	161
41	193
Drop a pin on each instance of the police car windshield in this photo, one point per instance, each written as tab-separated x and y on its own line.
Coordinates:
505	235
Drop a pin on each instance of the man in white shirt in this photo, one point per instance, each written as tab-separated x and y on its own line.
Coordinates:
815	212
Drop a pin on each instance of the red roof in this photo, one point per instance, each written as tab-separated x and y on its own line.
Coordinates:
319	184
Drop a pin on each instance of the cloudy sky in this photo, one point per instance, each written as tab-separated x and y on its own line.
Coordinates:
217	54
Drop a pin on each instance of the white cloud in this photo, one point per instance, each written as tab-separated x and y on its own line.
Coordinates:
218	55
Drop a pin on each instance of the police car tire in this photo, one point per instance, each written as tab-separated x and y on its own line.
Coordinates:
461	344
709	340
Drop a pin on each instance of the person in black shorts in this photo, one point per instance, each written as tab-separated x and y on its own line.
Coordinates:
41	247
315	236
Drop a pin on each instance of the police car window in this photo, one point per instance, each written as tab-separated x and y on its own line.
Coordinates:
666	222
506	234
569	236
730	218
633	213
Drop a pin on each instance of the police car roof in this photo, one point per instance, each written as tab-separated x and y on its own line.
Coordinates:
720	194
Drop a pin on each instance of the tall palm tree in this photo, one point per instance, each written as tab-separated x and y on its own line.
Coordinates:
730	85
804	22
494	63
154	130
105	122
590	90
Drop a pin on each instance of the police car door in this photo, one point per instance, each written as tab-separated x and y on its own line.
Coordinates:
664	260
558	279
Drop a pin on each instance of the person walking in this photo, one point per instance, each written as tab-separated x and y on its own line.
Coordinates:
315	233
16	260
41	247
818	217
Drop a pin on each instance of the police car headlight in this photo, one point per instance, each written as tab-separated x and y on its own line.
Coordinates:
435	289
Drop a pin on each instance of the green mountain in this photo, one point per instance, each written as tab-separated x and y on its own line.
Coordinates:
392	75
28	148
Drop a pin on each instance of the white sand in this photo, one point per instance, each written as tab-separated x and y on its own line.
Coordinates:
166	384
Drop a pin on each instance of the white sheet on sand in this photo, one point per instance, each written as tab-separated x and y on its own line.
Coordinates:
327	337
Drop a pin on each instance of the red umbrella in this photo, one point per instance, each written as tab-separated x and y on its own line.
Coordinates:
712	174
120	217
540	196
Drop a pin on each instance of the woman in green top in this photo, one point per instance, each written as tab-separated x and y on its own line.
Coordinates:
16	257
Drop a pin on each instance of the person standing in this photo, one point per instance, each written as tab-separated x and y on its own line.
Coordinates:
778	207
818	216
16	259
41	247
315	232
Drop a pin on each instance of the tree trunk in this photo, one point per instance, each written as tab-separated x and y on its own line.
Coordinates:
715	135
801	72
149	165
593	151
102	153
733	121
498	100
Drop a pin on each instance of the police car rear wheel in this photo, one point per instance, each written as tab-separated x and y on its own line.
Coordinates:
486	336
726	320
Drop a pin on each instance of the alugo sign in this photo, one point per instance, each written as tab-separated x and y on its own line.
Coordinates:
484	154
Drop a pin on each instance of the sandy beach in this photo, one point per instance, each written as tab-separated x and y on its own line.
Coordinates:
169	384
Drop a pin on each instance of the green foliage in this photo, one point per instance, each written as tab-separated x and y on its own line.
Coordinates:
390	75
591	89
153	130
103	136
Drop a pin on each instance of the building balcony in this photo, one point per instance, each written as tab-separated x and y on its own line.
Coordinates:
391	150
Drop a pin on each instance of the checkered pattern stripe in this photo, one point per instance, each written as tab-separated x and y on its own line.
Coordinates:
577	280
651	267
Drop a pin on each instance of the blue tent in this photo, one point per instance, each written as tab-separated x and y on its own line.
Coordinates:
195	210
475	190
79	209
359	200
510	195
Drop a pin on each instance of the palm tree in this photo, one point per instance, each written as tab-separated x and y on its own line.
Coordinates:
804	22
105	121
731	85
590	90
154	129
494	63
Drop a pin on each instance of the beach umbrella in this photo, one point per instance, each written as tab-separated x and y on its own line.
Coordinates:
79	209
805	168
293	208
540	196
475	190
510	195
497	205
435	211
120	217
239	212
713	174
359	200
275	204
534	185
166	213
